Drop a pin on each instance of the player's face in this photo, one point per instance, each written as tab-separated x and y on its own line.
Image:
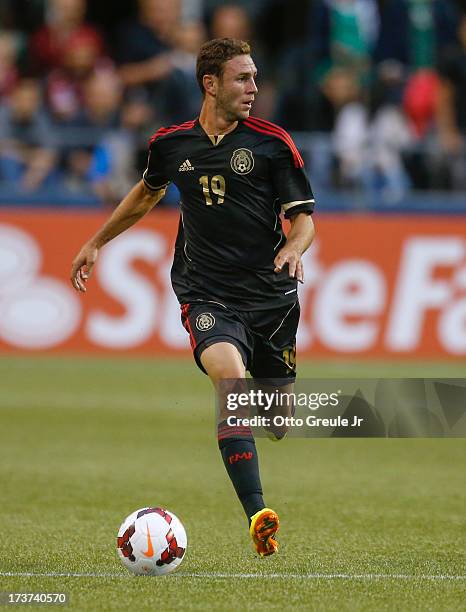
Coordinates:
237	88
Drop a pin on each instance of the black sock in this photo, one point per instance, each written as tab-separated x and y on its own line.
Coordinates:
240	459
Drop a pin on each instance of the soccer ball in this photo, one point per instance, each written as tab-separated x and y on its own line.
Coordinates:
151	542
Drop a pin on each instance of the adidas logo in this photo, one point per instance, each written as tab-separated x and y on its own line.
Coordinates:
185	166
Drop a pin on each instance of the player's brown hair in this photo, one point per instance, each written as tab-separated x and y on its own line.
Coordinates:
214	53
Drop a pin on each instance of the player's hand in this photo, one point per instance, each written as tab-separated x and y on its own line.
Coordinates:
81	268
293	259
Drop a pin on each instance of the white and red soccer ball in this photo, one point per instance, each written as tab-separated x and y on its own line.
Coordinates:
151	542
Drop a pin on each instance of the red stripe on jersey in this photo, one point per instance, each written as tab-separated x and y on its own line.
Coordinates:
177	125
187	324
265	127
298	162
276	129
173	128
170	130
271	128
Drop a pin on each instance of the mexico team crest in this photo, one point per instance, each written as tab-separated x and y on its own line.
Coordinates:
242	161
205	321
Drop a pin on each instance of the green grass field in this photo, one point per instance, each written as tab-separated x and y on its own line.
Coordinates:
366	524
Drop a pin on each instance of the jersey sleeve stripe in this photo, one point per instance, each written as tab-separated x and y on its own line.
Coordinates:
266	127
170	130
280	132
173	128
289	205
151	187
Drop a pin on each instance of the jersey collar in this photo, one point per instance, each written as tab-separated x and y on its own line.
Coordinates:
214	140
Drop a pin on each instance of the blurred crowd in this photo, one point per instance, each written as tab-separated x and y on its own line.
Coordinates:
377	86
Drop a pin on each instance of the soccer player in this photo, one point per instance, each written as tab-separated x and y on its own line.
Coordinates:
235	272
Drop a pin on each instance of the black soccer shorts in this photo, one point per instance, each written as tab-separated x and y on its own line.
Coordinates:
266	339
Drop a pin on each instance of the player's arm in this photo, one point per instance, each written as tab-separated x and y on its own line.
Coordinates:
299	239
295	196
139	201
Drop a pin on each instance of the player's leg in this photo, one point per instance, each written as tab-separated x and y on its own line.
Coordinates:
222	347
273	366
280	406
224	364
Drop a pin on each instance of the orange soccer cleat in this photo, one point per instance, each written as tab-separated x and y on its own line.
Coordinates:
264	526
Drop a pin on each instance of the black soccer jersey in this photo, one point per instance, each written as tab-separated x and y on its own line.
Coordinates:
233	188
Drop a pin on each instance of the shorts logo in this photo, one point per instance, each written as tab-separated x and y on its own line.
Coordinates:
242	161
205	321
289	357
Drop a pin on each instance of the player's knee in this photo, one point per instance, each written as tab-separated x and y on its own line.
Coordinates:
223	361
225	371
225	375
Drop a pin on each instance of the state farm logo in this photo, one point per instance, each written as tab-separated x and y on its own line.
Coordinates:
402	295
36	312
354	309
